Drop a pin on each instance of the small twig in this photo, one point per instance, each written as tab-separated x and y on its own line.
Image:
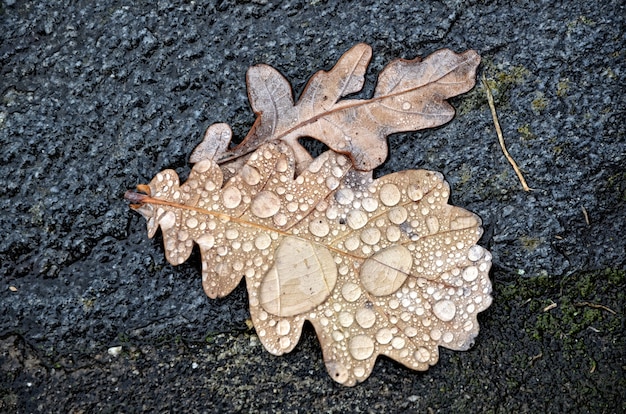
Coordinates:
550	307
595	305
501	138
585	214
535	358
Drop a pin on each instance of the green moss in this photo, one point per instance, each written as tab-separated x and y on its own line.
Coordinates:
88	304
562	88
500	81
617	183
530	243
584	301
539	103
581	20
526	133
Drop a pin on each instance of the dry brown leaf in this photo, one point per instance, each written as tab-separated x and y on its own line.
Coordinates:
410	95
379	267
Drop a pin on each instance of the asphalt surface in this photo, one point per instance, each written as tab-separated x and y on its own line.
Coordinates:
100	96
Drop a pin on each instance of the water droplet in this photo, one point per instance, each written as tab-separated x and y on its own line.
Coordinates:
365	317
302	277
332	183
385	272
231	197
167	220
206	241
283	327
284	342
356	219
421	354
345	319
444	310
231	234
280	219
192	222
414	192
432	223
337	371
370	236
398	215
389	194
384	336
262	241
351	292
361	347
319	227
352	244
265	204
393	233
250	175
435	334
398	342
369	204
344	196
470	273
475	253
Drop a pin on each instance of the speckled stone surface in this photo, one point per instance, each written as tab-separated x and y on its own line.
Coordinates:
99	96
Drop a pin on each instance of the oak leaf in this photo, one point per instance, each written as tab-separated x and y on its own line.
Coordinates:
378	266
409	95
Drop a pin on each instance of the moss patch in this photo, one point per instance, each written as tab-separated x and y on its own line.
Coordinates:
590	302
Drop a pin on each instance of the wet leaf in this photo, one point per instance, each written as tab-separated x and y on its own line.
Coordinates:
410	95
379	266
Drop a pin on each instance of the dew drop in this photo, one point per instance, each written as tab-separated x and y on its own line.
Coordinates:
397	215
384	336
231	197
385	272
206	241
167	221
344	196
389	194
370	236
432	223
356	219
421	354
284	342
444	310
361	347
351	292
365	317
393	233
192	222
265	204
370	204
283	327
345	319
319	227
262	241
470	273
475	253
398	342
250	175
414	192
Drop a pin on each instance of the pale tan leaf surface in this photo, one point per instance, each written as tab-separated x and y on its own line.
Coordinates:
378	266
410	95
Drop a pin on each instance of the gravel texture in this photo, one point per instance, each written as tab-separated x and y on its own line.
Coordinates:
99	96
